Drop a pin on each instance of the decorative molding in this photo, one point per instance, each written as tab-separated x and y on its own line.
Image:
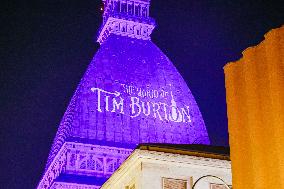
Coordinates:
101	161
127	28
184	159
64	185
84	159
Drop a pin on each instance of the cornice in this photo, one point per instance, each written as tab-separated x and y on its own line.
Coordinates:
140	156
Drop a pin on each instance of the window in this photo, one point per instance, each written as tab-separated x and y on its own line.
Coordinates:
116	6
144	11
137	10
123	7
130	9
169	183
130	186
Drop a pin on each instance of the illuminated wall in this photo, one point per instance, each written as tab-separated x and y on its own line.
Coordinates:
131	93
255	100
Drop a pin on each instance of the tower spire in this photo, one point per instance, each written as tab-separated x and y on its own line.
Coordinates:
126	18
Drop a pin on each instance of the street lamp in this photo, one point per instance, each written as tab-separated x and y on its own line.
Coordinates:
194	184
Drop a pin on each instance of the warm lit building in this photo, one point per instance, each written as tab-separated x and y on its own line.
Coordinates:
156	166
255	100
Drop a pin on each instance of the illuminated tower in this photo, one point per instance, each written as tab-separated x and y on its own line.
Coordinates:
131	93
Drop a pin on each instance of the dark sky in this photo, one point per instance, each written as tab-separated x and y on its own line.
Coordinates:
47	45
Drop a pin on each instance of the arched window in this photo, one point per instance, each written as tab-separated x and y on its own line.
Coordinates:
83	165
111	166
72	160
122	27
138	31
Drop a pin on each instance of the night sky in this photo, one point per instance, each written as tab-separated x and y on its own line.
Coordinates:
47	45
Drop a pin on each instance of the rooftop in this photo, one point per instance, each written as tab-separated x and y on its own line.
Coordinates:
207	151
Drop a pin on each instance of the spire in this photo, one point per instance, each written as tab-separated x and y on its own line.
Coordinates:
126	18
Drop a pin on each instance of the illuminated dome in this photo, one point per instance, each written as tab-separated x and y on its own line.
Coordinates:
131	92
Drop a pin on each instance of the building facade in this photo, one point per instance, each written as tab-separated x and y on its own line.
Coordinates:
255	100
163	167
131	93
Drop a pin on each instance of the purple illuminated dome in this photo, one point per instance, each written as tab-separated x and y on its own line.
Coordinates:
131	93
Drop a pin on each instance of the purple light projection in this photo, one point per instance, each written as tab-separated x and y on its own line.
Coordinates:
131	93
